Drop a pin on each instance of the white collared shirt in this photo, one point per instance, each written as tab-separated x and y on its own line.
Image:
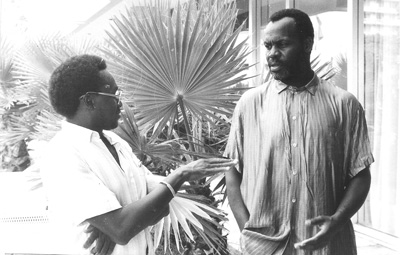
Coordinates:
83	180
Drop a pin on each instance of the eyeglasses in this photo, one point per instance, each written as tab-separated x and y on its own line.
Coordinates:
116	96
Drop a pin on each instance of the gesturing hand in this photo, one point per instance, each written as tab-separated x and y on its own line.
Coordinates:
206	167
104	245
328	228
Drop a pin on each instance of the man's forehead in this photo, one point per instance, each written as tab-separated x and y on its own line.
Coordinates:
284	27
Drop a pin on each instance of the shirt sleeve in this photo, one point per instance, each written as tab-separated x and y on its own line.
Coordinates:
234	146
360	149
73	189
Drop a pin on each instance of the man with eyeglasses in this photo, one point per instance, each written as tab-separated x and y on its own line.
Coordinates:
92	179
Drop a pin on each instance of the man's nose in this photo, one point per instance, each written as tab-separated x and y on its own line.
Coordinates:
273	52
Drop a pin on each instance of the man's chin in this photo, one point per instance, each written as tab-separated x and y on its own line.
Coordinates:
111	127
280	76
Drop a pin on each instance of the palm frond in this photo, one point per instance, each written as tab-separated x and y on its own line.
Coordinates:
187	214
165	55
324	69
8	81
169	151
33	66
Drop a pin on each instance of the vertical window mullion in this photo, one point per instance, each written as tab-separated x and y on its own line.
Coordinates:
255	40
355	57
290	4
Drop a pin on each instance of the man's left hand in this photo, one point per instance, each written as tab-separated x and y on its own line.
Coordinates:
328	227
104	245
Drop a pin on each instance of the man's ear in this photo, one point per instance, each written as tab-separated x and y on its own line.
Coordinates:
308	44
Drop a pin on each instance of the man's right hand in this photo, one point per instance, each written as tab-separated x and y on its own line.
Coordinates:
104	245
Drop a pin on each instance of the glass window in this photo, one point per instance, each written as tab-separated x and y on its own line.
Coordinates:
269	7
382	105
243	13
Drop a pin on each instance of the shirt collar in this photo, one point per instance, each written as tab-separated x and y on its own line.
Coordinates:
311	87
84	134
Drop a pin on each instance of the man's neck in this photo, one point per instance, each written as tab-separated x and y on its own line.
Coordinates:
83	122
302	80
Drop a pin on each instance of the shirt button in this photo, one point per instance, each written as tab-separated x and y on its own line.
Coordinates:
293	200
294	144
294	117
294	172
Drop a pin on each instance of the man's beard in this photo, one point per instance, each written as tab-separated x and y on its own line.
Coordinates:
282	75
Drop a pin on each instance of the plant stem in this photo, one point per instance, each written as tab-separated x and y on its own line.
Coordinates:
186	122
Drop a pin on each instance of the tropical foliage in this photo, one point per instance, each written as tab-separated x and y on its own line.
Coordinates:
13	152
182	61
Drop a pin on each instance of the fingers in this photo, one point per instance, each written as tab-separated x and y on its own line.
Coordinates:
100	242
222	161
319	240
104	249
216	165
89	229
207	167
94	234
317	221
110	248
312	243
104	245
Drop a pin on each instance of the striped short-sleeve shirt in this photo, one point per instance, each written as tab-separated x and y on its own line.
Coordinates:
297	150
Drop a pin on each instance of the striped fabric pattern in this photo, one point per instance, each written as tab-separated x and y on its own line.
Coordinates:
297	149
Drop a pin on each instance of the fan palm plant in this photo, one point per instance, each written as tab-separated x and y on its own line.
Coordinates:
179	62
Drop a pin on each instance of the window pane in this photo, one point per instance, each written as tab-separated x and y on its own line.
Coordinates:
382	82
268	7
243	13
